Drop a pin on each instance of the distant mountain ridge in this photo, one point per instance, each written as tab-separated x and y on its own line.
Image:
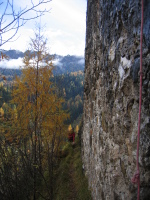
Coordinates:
13	54
63	64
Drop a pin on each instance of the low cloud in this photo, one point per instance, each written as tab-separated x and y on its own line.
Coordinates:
81	61
57	63
11	64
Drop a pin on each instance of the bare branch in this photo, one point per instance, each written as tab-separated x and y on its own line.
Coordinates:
18	18
3	15
10	38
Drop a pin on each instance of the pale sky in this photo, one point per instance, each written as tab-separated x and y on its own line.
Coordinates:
65	27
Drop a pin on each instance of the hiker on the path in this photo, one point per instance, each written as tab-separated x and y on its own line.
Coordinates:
71	136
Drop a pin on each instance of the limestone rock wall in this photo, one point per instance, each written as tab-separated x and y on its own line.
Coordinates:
111	99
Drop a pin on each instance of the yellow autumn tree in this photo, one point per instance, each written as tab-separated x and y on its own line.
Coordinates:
77	129
38	117
69	127
1	113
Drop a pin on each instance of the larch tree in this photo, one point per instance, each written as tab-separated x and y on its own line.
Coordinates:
37	114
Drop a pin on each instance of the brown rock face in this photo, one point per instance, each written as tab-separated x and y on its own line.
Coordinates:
111	99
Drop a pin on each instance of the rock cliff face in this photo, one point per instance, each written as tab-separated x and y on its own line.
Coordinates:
111	99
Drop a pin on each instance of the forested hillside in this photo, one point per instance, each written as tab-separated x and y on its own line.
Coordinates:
18	140
13	54
17	151
9	74
70	86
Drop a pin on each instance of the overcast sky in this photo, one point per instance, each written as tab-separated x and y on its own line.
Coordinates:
65	27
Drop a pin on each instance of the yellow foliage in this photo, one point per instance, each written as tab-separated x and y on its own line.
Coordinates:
38	113
77	129
1	84
69	127
1	112
35	118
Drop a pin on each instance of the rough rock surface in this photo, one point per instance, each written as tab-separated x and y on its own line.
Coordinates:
111	99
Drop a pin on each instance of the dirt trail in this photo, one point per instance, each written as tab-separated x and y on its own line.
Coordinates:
72	183
72	187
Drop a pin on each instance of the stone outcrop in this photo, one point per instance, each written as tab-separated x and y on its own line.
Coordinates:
111	99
